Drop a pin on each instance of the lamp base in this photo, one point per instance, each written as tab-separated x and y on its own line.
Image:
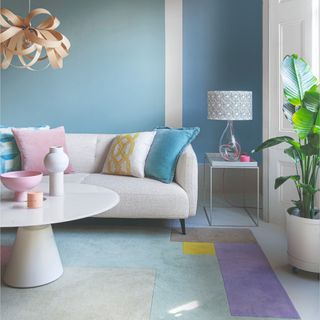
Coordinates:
229	147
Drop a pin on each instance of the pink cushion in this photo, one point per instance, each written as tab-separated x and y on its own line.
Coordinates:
34	146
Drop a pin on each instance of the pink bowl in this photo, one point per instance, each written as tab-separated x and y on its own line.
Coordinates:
21	182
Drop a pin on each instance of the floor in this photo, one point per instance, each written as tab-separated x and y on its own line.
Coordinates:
303	288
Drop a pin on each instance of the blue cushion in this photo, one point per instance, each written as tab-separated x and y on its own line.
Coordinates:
10	155
165	151
9	152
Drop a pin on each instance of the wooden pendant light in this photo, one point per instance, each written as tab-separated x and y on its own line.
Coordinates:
31	44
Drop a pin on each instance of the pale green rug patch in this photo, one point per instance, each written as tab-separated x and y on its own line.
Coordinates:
84	294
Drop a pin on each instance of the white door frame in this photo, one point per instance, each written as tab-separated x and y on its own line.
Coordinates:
265	100
265	108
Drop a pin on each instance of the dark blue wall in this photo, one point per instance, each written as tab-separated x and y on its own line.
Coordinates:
222	51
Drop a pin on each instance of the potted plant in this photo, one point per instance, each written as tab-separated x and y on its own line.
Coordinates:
302	109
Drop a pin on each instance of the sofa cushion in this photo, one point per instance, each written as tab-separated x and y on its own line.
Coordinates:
143	197
69	178
34	146
10	159
165	151
128	153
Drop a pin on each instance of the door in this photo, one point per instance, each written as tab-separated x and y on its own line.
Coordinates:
293	28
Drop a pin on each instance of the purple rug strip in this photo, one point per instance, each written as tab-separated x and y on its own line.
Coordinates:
253	289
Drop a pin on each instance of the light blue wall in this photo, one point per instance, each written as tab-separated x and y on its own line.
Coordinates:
222	51
113	79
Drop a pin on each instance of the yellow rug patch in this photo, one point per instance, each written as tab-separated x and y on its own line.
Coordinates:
198	248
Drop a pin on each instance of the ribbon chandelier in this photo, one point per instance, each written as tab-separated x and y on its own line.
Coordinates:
29	43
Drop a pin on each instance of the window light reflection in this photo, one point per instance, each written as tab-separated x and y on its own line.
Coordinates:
185	307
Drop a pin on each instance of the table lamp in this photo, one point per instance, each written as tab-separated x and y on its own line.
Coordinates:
229	105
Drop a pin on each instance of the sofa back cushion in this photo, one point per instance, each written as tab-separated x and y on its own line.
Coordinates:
10	159
128	153
34	146
88	151
168	145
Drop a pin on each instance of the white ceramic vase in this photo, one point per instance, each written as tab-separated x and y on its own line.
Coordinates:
303	243
56	161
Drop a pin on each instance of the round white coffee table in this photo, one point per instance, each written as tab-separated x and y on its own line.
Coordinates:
35	259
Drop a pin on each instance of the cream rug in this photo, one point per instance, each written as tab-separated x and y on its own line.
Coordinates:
84	294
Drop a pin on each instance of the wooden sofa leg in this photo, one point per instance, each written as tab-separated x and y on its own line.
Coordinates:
183	225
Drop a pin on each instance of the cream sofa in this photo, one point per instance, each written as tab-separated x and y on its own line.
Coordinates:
139	198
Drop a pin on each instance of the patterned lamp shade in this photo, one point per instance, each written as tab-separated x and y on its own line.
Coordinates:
230	105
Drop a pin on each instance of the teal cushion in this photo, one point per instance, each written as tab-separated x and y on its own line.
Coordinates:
165	151
9	153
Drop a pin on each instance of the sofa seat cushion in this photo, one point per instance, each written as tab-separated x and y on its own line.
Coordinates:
142	197
69	178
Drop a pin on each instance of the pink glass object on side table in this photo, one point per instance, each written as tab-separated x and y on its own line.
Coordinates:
245	158
20	182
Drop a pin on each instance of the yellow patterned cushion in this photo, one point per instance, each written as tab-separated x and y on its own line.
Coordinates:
128	153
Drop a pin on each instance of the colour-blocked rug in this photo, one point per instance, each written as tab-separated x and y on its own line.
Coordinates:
189	283
84	294
252	288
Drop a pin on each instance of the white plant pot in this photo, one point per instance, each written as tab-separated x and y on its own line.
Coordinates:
303	243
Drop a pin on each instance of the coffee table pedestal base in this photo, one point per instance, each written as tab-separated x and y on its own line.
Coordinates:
35	259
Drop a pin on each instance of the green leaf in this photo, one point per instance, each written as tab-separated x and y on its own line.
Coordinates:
293	153
316	127
309	150
297	79
288	111
311	100
303	122
312	148
308	188
277	140
281	180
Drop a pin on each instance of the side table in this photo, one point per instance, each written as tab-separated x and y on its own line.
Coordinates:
214	161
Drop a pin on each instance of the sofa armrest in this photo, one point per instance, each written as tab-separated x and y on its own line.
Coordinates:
187	177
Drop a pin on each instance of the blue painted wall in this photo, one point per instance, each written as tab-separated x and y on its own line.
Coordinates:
222	51
113	79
